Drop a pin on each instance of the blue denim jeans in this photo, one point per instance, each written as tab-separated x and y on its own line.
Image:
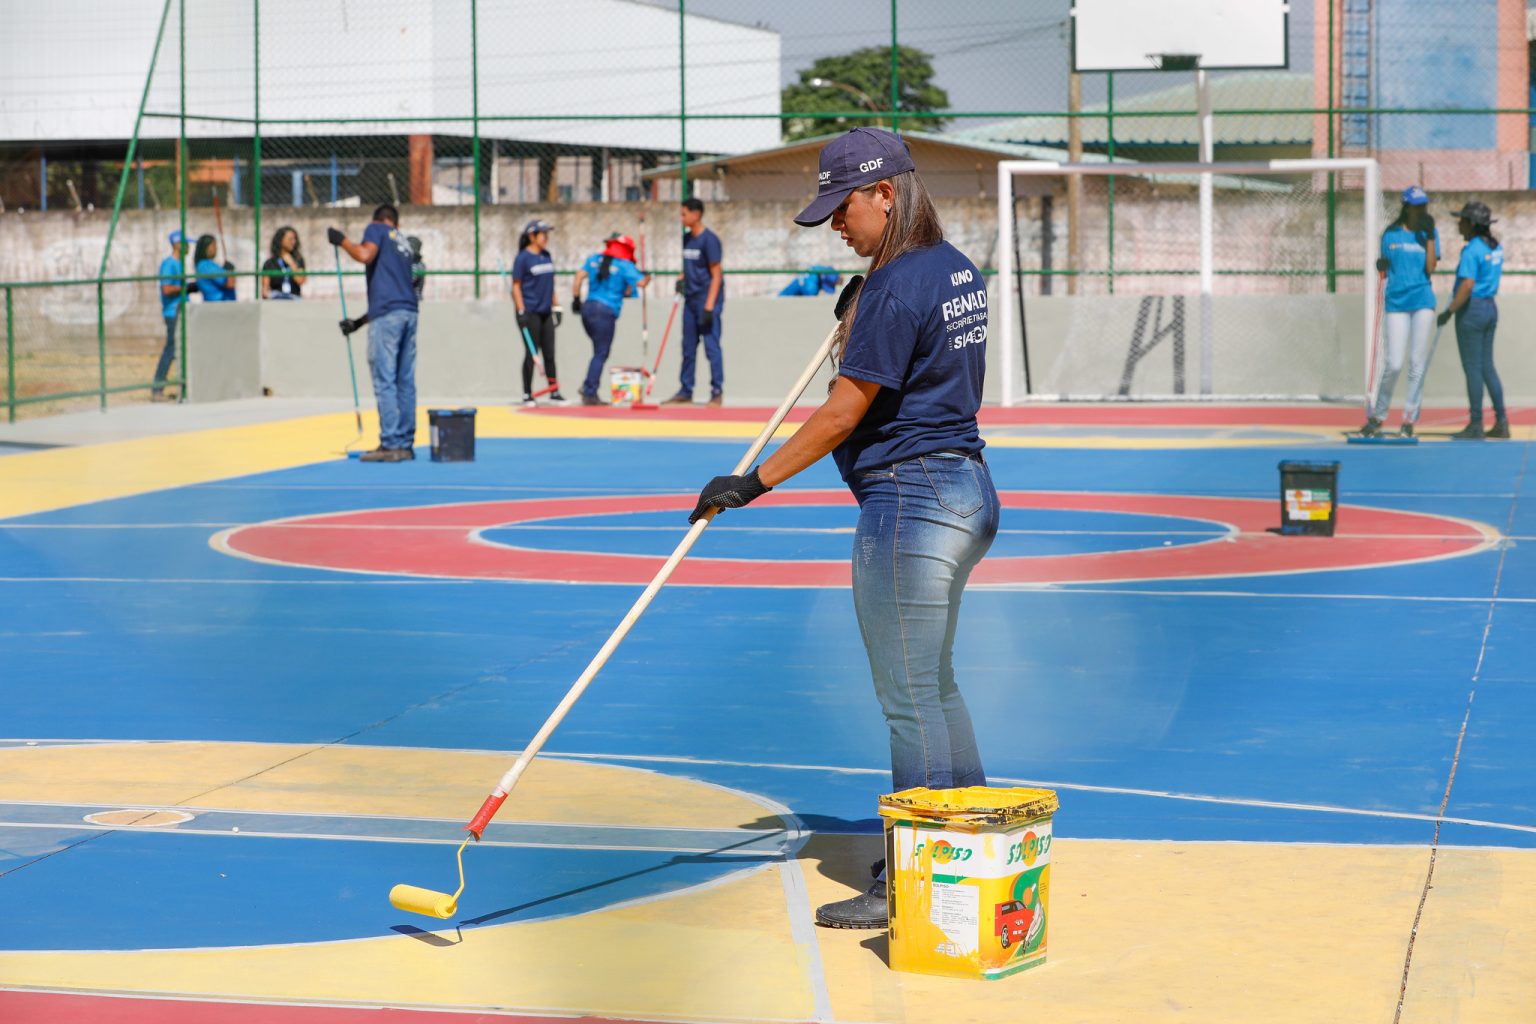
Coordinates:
1475	324
599	321
167	354
689	343
392	361
923	526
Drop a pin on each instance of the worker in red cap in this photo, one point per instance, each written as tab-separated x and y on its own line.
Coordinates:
613	276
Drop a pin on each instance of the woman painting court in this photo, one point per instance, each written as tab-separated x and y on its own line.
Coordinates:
900	422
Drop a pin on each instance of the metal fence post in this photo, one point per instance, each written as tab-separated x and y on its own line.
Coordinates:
101	343
10	359
474	100
255	148
895	74
682	98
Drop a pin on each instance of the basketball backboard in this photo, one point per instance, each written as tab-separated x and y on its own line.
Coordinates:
1153	35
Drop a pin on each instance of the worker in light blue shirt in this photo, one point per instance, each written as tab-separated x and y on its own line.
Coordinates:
1477	316
612	275
1410	247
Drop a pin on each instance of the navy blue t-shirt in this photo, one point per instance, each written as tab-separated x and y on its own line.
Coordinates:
535	274
921	334
389	275
699	251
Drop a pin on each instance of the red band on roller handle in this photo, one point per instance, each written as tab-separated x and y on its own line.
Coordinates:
484	815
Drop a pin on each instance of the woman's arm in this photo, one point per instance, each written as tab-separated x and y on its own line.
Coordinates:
828	427
1459	298
298	275
517	296
580	279
266	283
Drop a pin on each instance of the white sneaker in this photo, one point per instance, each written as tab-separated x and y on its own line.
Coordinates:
529	403
558	399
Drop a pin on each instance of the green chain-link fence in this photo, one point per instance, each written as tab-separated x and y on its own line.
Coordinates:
258	115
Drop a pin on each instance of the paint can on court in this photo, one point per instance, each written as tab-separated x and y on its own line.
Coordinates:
968	878
1309	497
453	434
628	385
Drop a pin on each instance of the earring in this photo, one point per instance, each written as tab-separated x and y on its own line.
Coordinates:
887	211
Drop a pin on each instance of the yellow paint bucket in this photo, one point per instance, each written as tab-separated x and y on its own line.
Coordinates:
968	878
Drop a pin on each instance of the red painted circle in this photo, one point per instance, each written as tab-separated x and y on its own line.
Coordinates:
444	541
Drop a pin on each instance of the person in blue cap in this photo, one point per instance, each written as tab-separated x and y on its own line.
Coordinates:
900	422
1477	316
613	276
173	296
533	296
1410	247
702	286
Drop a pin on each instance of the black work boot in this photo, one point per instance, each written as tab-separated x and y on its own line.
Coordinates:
866	910
1471	432
1500	428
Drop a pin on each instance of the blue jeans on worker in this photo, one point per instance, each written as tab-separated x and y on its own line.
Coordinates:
392	361
1475	324
690	345
599	321
923	526
167	354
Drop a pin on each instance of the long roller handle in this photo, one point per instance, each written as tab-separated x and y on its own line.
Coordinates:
493	802
341	289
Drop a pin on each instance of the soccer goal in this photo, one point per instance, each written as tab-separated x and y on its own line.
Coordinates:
1220	280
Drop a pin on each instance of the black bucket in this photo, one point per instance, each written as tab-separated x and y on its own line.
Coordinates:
453	434
1309	497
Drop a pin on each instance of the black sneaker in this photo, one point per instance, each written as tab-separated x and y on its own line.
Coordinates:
1406	430
1500	429
587	399
1470	432
866	910
1372	427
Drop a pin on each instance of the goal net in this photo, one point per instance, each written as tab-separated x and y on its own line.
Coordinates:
1185	282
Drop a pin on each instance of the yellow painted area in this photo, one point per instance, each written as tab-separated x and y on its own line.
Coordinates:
348	779
1474	961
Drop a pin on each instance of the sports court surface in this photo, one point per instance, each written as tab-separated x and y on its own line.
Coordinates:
250	685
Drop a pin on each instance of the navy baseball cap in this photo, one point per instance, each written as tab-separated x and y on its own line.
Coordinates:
862	157
535	226
1415	196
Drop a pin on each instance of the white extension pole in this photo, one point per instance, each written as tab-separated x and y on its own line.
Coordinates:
493	802
1004	308
1368	282
1207	231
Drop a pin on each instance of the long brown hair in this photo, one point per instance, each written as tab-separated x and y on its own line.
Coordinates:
913	223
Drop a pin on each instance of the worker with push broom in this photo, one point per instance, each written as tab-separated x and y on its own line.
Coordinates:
900	422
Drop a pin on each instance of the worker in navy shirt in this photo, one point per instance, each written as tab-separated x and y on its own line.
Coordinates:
702	286
1410	247
1477	316
613	276
533	296
173	298
900	422
392	305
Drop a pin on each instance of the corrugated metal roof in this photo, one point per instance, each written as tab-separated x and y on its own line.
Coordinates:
1269	90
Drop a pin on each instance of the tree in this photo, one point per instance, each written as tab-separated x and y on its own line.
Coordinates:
861	80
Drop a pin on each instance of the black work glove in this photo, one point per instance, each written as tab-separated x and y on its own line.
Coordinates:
729	492
525	320
228	265
1383	264
849	293
557	312
576	304
706	321
348	326
682	287
1444	318
334	236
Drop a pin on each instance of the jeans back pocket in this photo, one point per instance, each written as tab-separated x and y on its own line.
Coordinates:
954	483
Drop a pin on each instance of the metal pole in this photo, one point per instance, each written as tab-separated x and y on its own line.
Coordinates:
682	97
474	100
1074	183
42	181
1331	251
895	73
10	358
181	177
1372	233
1207	226
1110	130
1005	273
255	144
101	345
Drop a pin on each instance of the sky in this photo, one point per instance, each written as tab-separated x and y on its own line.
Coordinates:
988	54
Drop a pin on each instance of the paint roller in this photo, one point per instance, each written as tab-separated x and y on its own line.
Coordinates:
429	902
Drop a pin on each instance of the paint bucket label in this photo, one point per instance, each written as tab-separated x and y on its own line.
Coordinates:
1301	503
628	385
968	878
